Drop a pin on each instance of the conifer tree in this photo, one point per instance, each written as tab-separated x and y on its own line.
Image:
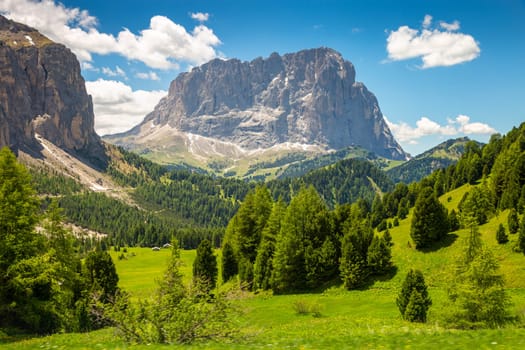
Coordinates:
387	236
477	293
429	223
264	261
205	265
101	274
501	235
513	221
521	237
229	263
354	250
416	310
379	256
305	228
414	290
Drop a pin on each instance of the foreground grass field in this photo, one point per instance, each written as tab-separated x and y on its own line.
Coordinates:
362	319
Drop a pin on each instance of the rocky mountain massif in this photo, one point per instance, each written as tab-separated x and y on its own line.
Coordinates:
43	95
227	111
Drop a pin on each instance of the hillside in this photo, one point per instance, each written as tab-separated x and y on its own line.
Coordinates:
424	164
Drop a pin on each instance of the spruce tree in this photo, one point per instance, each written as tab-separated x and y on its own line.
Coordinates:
229	263
305	228
205	265
387	236
264	261
429	222
379	256
477	292
101	274
513	221
414	282
501	235
521	237
416	310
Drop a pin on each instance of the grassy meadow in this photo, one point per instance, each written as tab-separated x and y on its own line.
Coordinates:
360	319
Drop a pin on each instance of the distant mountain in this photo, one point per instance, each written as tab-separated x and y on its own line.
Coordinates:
42	94
237	113
438	157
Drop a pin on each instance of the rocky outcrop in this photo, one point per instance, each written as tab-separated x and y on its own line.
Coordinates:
43	92
305	98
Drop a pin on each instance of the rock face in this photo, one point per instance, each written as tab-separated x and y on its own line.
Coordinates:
42	91
307	98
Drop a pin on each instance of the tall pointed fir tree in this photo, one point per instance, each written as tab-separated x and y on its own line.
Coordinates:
413	300
477	292
299	262
205	265
244	230
429	222
264	261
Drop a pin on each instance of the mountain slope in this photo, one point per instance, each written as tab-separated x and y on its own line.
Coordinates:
304	102
438	157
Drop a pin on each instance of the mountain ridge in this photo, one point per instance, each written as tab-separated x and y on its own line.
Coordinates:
306	101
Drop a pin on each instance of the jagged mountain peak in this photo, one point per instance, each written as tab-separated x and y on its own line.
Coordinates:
234	110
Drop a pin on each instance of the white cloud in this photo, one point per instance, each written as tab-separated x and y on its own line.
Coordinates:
148	76
163	45
405	133
435	47
88	67
117	72
427	21
117	107
473	128
199	16
451	27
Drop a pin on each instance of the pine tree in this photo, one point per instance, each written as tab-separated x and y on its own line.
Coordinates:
477	293
305	228
229	263
264	261
101	274
379	256
414	282
521	237
501	235
205	265
387	236
416	310
244	231
429	222
513	221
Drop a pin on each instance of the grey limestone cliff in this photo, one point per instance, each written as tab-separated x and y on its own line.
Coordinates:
309	97
43	92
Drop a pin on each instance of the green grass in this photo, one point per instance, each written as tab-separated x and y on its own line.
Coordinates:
142	267
362	319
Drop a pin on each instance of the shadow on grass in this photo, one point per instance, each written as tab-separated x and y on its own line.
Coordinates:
381	278
444	243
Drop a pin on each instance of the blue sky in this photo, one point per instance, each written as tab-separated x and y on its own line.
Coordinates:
440	69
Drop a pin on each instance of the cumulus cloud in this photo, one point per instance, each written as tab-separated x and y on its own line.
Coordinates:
405	133
148	76
435	47
117	107
199	16
163	45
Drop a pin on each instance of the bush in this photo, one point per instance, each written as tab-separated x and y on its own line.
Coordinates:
176	314
303	307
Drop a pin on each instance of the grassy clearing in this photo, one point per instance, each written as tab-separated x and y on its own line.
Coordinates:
362	319
141	267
